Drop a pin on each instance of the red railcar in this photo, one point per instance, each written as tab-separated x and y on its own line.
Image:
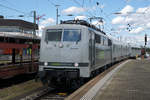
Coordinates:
19	48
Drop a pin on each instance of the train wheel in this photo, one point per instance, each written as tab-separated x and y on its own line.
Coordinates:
44	81
75	84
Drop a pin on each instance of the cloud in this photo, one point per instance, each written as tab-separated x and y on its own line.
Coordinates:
102	6
122	27
133	40
139	20
148	25
137	30
127	9
142	10
41	27
129	20
97	23
48	21
80	17
73	10
44	23
136	40
123	20
118	20
136	22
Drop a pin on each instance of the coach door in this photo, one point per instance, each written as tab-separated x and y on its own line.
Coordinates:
92	48
111	49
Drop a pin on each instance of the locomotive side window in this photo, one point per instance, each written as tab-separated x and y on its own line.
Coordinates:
105	41
73	35
53	35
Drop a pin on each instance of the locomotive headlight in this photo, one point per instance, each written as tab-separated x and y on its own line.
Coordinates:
76	64
60	45
40	68
45	63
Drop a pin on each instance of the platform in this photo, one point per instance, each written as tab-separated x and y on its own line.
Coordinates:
130	82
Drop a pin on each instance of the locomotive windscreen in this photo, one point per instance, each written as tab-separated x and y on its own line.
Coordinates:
54	34
72	35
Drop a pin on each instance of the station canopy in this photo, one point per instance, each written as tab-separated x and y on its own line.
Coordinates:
18	22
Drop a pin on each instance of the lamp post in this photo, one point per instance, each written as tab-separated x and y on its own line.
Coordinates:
145	39
145	42
57	15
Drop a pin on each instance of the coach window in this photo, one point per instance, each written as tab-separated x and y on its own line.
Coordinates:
53	35
97	38
104	40
73	35
109	42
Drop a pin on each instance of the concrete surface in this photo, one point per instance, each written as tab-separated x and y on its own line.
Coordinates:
131	82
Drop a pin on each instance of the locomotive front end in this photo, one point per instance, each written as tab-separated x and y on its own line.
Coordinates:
62	56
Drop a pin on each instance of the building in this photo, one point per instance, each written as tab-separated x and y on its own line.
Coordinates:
17	25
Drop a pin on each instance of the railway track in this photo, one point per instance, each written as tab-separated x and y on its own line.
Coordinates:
47	94
9	63
16	80
53	97
55	94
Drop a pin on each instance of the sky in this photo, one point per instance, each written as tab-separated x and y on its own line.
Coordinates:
125	20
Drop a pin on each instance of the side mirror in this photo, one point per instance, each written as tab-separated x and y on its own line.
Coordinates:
77	41
46	41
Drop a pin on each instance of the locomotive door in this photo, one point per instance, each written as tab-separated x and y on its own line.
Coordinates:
70	49
92	48
53	44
